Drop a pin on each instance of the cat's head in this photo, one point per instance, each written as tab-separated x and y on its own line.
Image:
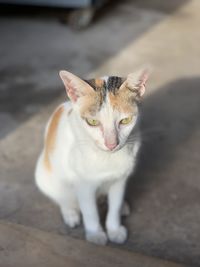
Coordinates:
107	106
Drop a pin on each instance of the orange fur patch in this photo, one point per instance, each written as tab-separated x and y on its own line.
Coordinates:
122	101
51	136
90	104
99	83
93	99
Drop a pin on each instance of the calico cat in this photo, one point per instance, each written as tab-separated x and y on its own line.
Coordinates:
87	151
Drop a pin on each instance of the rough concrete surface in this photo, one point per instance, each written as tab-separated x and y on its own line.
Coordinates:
164	193
38	248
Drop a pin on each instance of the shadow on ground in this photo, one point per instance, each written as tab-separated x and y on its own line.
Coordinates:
165	190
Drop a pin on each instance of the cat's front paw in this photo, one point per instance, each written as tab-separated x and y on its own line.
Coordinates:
71	217
118	236
99	238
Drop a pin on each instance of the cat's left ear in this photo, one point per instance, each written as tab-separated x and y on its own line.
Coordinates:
136	82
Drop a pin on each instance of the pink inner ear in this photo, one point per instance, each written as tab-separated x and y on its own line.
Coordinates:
75	87
70	89
71	92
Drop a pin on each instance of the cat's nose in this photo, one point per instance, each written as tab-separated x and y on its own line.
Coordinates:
111	146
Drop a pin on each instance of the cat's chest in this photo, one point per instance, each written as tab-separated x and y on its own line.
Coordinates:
103	166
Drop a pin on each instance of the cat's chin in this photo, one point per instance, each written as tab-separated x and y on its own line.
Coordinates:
105	149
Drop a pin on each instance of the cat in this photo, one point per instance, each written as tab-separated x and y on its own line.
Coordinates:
88	151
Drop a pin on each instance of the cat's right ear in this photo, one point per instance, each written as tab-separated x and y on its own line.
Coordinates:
75	87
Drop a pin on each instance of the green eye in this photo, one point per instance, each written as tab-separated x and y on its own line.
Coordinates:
92	122
126	120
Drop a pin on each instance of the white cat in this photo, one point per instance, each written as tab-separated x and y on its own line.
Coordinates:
87	153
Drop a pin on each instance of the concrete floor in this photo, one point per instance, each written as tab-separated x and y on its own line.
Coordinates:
164	193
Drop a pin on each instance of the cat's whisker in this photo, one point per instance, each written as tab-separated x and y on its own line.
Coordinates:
145	135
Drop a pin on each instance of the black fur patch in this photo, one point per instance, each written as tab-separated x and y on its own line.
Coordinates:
113	84
91	82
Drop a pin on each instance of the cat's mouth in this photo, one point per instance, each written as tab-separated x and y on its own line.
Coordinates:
113	150
109	149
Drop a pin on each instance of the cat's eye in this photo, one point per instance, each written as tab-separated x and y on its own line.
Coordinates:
92	122
126	120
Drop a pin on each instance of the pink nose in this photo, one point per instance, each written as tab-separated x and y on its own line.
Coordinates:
111	146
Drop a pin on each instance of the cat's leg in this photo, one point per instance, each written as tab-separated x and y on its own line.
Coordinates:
69	207
116	232
65	198
60	192
88	205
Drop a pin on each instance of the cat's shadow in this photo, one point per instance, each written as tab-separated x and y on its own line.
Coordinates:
169	117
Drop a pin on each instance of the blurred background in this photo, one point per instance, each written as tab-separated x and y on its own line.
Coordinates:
94	38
